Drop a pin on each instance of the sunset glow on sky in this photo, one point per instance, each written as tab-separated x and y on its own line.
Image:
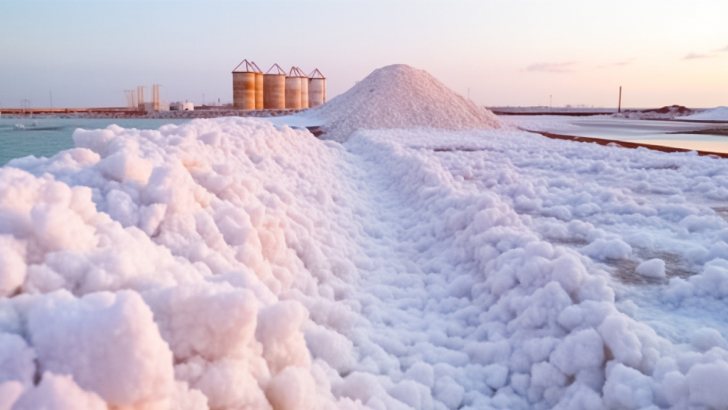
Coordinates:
505	52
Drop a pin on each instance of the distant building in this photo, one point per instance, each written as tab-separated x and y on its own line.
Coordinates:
182	106
149	106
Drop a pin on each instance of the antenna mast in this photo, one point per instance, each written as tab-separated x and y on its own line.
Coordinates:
619	107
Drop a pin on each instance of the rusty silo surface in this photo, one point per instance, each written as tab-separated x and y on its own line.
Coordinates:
304	87
316	89
293	90
258	87
259	91
274	88
244	86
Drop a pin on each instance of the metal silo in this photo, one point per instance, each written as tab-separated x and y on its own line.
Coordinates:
244	86
304	87
316	89
258	87
293	90
274	88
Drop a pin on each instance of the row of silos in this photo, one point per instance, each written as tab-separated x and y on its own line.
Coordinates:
253	90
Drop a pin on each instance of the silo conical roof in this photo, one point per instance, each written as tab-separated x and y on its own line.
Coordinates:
316	74
300	73
277	70
247	67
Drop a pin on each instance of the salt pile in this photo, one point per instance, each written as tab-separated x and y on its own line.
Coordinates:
713	114
664	113
399	96
234	264
158	269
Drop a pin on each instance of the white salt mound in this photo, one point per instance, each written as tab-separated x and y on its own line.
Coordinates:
399	96
713	114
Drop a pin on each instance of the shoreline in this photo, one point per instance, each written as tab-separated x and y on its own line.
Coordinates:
205	112
625	144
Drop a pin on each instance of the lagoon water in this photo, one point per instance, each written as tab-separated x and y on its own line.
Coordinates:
657	132
665	133
46	136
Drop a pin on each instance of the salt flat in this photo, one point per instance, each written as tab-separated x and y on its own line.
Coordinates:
683	132
418	262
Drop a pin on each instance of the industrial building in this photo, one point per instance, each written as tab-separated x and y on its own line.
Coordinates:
304	87
293	89
181	106
137	101
246	85
316	89
276	89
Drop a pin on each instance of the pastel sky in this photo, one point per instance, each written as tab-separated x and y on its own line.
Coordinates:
507	52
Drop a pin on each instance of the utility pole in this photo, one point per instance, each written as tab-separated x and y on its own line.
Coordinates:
619	107
550	102
51	94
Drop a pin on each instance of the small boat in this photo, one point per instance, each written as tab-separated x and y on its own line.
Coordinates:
19	127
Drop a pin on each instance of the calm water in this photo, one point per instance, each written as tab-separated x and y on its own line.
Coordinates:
665	133
45	137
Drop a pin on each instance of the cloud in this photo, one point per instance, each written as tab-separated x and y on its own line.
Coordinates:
722	50
618	63
696	56
551	67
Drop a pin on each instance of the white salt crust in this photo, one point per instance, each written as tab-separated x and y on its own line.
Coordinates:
233	264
